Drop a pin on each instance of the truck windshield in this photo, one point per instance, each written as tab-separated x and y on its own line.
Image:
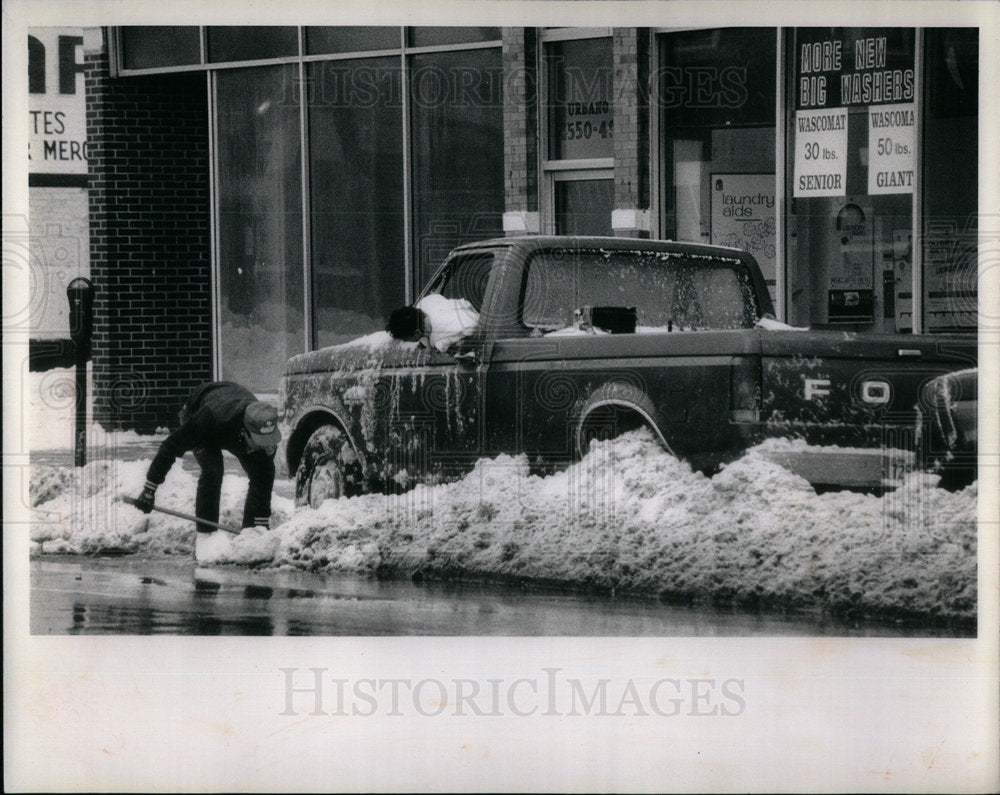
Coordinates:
465	277
668	290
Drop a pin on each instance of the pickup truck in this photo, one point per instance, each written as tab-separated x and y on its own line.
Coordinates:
568	339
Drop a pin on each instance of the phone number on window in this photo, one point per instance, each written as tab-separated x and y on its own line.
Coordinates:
585	129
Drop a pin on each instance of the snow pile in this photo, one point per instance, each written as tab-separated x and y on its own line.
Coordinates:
79	511
628	517
48	482
447	321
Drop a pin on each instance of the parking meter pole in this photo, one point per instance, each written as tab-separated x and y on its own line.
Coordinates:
80	431
81	296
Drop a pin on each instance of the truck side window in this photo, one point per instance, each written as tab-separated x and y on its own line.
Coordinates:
668	290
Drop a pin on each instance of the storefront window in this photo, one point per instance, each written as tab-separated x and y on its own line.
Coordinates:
950	179
581	109
259	225
251	42
716	100
149	47
852	170
348	38
430	36
457	152
356	190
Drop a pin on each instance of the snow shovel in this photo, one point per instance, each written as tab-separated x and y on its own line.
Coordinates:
180	515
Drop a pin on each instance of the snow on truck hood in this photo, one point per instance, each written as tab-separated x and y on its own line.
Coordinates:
447	321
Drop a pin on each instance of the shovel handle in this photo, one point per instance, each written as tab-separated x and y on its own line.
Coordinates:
132	501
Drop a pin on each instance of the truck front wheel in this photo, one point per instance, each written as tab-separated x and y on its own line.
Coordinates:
329	469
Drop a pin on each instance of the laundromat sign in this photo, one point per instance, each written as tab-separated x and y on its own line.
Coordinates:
57	114
891	148
839	70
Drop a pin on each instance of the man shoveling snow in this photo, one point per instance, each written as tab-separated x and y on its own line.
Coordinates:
220	416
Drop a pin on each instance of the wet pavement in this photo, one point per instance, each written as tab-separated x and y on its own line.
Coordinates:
141	595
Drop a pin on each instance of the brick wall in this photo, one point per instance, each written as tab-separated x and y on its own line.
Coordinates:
520	120
149	243
630	47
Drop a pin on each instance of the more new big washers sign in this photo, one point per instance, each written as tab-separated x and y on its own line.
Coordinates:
842	72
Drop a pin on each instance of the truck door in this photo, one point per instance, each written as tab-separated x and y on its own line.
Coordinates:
434	416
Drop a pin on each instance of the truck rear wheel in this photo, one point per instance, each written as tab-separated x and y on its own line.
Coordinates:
947	433
608	422
935	453
329	469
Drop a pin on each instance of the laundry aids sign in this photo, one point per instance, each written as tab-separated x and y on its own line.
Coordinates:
841	74
743	216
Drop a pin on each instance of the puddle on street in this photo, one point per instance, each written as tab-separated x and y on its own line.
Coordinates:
141	595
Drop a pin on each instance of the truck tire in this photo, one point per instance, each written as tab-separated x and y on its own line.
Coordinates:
946	432
329	469
933	455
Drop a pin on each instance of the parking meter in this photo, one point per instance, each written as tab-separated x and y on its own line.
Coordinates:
81	311
81	325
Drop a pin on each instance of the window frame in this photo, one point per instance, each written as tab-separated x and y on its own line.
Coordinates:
211	69
117	66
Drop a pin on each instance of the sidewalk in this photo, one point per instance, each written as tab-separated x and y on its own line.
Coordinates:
145	450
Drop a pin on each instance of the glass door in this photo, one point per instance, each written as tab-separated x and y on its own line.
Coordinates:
578	188
851	121
582	202
717	112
